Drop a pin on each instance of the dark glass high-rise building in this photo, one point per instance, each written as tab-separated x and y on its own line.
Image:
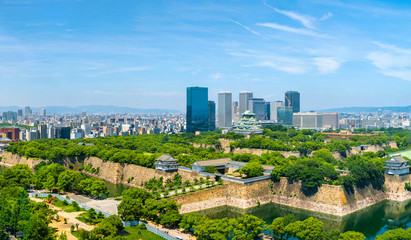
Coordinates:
211	115
197	109
292	99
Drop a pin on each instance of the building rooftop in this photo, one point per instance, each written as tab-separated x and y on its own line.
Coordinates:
404	153
212	162
166	158
226	161
396	159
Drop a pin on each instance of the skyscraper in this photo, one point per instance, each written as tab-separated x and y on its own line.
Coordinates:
285	116
19	113
267	111
27	111
292	99
274	106
42	131
234	109
224	109
257	106
244	97
43	112
211	115
197	109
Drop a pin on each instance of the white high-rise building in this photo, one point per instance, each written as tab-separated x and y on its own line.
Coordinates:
244	98
86	128
50	132
43	112
308	120
76	133
274	106
224	109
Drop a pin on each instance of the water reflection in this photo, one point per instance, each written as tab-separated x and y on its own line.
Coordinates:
371	221
116	189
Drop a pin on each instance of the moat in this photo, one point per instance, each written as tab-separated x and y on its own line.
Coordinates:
371	221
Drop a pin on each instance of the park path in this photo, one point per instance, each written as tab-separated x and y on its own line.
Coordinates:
71	220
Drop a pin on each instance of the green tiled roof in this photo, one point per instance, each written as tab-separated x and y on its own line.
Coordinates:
403	153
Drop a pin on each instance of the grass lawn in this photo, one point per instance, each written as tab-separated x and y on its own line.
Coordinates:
144	234
66	208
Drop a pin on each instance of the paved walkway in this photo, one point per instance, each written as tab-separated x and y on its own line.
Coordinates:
173	232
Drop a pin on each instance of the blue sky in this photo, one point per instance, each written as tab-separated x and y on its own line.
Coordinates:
144	53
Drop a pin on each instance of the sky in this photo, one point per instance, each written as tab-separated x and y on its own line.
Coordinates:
144	53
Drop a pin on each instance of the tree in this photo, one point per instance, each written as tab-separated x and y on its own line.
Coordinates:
190	220
350	235
325	155
395	234
109	227
187	183
278	226
309	229
65	180
247	227
63	236
252	169
38	228
19	174
177	179
130	209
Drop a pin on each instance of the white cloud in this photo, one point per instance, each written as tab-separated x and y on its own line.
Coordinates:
284	66
326	16
327	65
247	28
392	61
285	28
305	20
216	76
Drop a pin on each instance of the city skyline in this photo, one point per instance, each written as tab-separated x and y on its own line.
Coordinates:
329	51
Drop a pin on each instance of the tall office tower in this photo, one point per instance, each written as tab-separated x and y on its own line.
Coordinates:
43	112
197	109
274	106
234	109
50	132
308	120
267	111
65	132
62	132
19	113
244	98
225	109
331	120
257	106
211	115
285	116
292	99
42	131
27	111
9	116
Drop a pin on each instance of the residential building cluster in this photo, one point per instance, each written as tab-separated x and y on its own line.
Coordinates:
31	126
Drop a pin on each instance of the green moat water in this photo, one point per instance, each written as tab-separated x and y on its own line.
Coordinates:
371	221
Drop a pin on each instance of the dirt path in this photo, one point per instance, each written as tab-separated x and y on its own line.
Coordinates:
71	220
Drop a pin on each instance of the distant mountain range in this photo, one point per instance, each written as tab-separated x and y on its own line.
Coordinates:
92	109
397	109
